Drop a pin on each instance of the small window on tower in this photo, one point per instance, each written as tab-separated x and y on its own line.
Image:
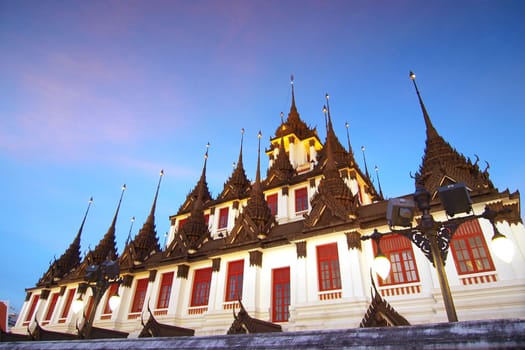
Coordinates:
223	218
272	203
301	200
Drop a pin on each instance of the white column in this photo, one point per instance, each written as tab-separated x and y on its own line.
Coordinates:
291	150
251	287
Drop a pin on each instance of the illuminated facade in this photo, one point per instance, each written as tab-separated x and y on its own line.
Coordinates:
288	246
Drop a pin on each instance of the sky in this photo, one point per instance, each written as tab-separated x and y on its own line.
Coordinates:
95	94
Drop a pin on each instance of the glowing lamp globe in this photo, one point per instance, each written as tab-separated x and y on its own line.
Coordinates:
114	302
382	266
77	305
502	247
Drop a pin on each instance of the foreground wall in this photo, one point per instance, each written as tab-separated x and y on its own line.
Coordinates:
492	334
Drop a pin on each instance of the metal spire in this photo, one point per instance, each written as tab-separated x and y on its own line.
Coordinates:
431	131
364	160
378	182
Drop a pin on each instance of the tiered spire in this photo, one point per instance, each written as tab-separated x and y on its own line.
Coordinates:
107	247
443	165
342	157
67	261
146	241
333	200
294	124
238	184
281	171
192	196
256	219
194	232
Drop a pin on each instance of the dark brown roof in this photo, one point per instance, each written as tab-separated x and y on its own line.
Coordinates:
153	328
244	323
443	165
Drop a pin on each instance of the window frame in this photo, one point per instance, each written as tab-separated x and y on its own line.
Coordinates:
141	288
273	203
223	218
301	199
69	300
400	252
166	285
52	305
234	280
478	252
200	291
32	307
281	294
328	253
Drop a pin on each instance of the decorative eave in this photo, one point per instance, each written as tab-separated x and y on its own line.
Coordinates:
243	323
153	328
41	334
380	313
68	261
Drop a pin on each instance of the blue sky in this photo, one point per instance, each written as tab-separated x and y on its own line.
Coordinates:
100	93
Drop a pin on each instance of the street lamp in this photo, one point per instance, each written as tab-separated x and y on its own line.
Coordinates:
98	278
433	237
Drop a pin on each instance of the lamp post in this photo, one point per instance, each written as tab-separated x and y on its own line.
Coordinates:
98	278
433	237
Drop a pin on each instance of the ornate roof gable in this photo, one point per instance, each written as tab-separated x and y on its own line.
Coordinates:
201	184
341	156
107	247
256	219
442	164
194	233
333	200
281	171
67	261
238	184
146	241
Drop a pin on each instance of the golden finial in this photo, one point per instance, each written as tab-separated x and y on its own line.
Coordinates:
412	75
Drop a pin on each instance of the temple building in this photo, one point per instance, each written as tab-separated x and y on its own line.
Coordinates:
287	249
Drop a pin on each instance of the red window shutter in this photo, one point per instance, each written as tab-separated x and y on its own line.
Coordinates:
470	250
280	294
113	289
223	217
140	295
328	267
32	308
301	199
52	306
398	250
272	203
165	290
207	219
234	280
69	300
201	287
